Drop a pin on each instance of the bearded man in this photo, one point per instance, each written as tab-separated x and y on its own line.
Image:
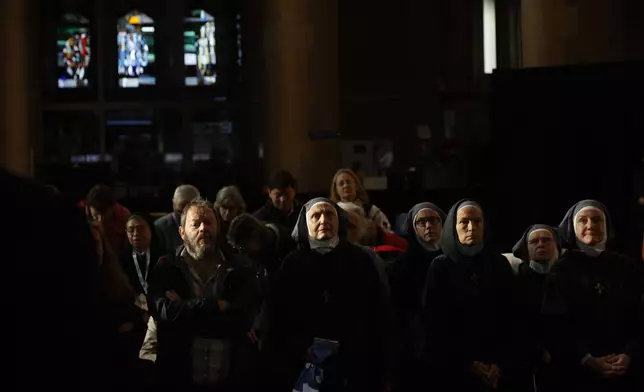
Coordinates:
203	301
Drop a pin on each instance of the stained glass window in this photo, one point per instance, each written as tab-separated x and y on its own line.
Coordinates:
200	49
135	49
73	51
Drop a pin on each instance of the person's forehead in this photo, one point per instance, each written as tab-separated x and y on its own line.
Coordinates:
590	211
280	190
137	223
181	200
470	212
539	233
321	207
427	212
229	201
345	176
200	213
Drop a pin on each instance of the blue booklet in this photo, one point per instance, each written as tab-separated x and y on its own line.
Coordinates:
312	375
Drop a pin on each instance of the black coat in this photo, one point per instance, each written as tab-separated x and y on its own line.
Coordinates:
127	263
179	322
271	214
167	232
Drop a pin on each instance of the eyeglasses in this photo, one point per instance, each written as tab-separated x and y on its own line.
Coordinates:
134	229
423	222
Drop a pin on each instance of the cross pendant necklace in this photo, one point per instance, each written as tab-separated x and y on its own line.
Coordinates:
599	288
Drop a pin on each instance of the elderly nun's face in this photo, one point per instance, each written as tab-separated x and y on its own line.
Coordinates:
428	225
322	221
590	225
469	225
541	245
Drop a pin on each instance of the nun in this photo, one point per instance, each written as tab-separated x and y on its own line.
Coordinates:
468	303
327	290
593	305
422	228
539	249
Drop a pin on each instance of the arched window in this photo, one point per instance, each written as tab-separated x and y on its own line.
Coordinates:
74	52
200	49
135	49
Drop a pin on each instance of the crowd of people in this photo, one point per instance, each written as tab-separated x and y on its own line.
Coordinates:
322	296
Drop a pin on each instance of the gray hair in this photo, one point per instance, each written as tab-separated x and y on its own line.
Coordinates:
199	203
185	193
366	227
233	193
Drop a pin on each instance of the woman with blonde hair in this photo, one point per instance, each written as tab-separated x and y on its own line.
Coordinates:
346	187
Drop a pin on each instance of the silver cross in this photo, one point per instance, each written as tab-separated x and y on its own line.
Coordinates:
599	288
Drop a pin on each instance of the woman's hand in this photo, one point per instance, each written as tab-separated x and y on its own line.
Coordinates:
488	373
603	366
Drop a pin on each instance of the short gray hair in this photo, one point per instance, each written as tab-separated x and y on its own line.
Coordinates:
367	227
233	193
185	193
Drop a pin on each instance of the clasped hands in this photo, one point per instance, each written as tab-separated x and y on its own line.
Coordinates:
609	366
173	296
488	372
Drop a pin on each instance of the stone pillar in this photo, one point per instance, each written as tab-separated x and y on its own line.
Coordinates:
300	50
15	141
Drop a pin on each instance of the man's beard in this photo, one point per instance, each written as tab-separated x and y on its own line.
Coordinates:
201	251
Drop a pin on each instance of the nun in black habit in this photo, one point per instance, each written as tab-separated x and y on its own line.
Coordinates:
539	249
330	289
593	306
422	228
468	304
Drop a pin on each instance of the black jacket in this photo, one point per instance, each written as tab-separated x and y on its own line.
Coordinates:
167	231
271	214
127	263
179	322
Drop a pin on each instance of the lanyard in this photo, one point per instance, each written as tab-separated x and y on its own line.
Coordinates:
142	278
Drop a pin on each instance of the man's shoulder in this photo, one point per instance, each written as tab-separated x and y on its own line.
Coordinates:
167	260
262	212
163	221
442	261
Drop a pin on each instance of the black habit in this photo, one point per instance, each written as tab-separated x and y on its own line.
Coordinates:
532	362
468	305
407	282
334	296
593	305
